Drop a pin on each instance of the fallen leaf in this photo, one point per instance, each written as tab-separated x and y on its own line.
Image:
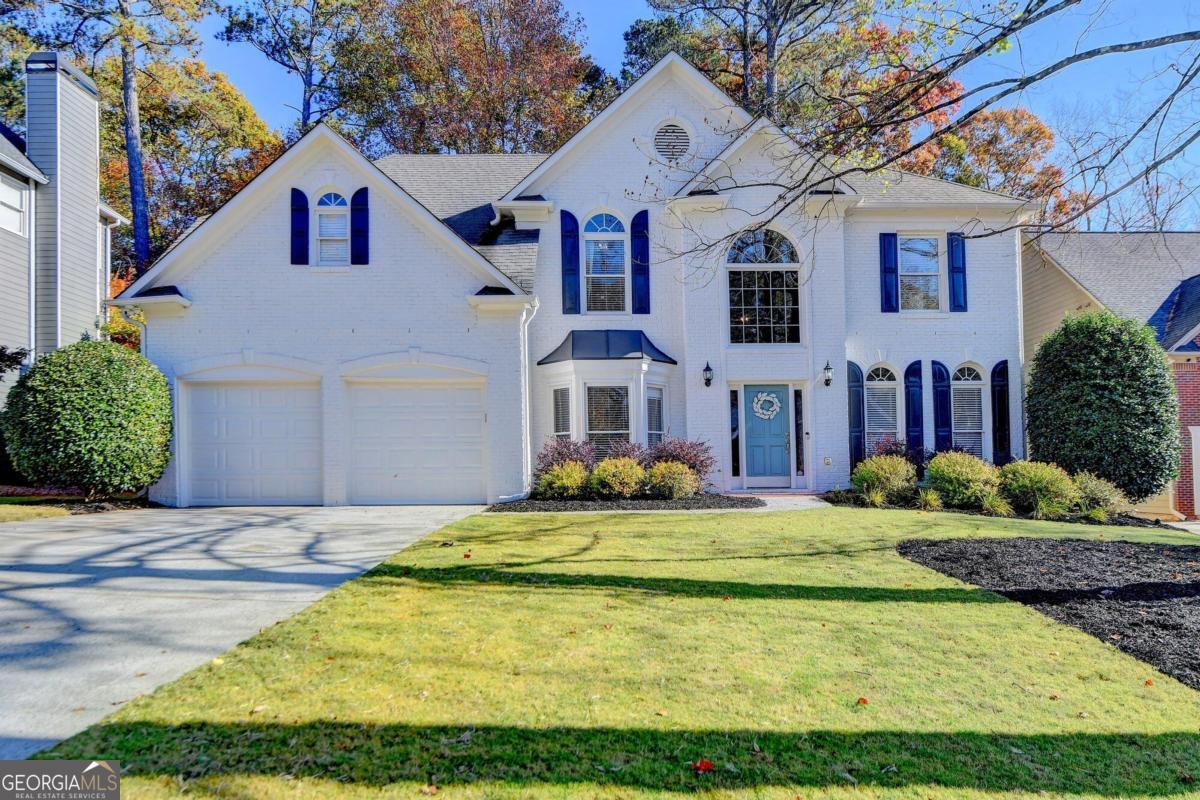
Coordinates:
258	709
1185	777
1053	697
467	554
1149	681
662	712
218	662
429	790
727	597
446	543
862	701
702	766
608	627
139	674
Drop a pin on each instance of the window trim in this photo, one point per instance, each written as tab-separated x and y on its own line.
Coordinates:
627	275
569	433
896	385
23	212
767	266
984	395
943	274
319	211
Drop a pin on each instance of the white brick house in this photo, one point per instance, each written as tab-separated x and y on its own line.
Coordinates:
415	329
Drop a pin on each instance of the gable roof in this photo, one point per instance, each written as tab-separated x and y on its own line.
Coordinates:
323	132
1148	276
12	155
672	62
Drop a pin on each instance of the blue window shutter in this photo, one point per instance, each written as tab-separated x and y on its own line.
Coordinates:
299	227
857	414
889	273
914	427
360	228
640	251
943	425
570	262
1001	438
956	257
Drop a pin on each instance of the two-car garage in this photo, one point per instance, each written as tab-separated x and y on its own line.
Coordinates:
399	442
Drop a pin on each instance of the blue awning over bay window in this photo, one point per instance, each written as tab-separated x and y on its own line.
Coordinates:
606	345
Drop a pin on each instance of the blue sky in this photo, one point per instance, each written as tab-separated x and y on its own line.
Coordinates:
1100	87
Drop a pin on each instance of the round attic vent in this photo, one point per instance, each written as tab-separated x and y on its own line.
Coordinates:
671	142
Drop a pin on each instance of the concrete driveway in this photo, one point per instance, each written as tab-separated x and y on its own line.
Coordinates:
98	609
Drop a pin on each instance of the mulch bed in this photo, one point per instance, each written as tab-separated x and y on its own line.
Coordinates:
1141	598
699	503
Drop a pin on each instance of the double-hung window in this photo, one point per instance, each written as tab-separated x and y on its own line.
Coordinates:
333	230
562	413
13	196
607	416
606	264
764	299
920	272
882	392
966	393
654	415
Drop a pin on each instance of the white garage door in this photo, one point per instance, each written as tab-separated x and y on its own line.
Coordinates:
416	443
254	443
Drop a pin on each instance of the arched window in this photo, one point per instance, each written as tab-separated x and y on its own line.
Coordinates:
882	392
966	392
333	230
764	298
606	263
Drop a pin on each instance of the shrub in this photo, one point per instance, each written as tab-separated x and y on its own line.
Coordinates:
962	480
695	454
617	478
1097	494
94	415
892	474
557	452
842	497
929	500
627	449
1102	400
1044	490
671	480
566	481
875	498
995	505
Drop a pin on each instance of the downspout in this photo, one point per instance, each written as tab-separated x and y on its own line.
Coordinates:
33	246
527	445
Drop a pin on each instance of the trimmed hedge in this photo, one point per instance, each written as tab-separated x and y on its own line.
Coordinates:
962	480
1045	491
1102	400
617	478
672	480
94	415
892	475
566	481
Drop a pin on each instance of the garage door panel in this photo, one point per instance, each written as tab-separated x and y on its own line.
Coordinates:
412	443
254	443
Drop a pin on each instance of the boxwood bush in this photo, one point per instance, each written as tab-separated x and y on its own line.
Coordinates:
1102	400
961	479
893	475
617	478
566	481
1098	497
94	415
1044	490
672	480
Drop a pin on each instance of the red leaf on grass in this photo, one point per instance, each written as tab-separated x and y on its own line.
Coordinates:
862	701
703	765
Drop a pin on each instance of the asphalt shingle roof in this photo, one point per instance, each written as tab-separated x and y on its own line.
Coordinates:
890	187
1132	274
459	190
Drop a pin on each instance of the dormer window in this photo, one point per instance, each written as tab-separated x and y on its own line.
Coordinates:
333	230
606	263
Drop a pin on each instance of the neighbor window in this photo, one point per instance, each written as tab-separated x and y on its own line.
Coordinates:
607	416
966	392
562	413
882	420
605	263
333	230
13	195
920	273
764	303
654	415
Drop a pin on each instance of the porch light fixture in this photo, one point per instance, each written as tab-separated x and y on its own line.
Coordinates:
828	373
708	374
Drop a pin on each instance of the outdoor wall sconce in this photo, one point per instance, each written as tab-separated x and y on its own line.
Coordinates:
708	374
828	373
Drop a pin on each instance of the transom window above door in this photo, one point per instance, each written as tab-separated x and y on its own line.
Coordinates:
764	301
920	270
606	263
333	230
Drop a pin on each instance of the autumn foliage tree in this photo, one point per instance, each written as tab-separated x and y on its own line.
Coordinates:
470	76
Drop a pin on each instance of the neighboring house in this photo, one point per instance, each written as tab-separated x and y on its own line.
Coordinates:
54	231
417	328
1153	277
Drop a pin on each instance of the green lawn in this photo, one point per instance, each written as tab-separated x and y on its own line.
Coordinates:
599	656
18	509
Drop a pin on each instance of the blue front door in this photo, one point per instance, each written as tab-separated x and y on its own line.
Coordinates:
768	439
